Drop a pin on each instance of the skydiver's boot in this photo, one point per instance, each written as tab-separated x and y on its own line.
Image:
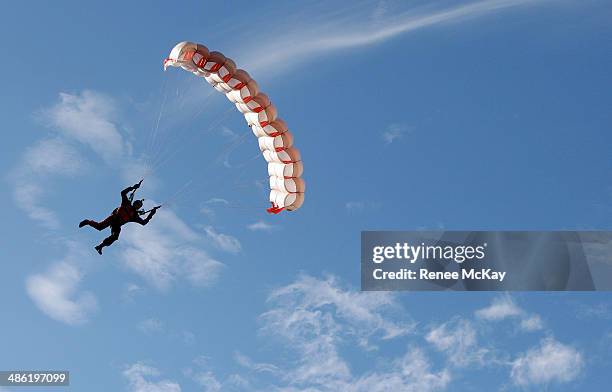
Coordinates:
107	241
84	222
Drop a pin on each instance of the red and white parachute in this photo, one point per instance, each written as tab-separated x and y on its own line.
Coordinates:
275	141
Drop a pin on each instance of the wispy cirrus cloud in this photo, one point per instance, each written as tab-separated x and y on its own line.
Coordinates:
259	367
550	362
362	313
504	307
46	159
318	324
501	308
314	316
52	156
167	251
411	373
222	241
394	132
357	26
85	119
27	196
131	291
532	323
139	376
458	339
56	292
90	119
202	374
261	226
151	326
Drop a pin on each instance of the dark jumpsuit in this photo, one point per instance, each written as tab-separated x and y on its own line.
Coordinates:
120	216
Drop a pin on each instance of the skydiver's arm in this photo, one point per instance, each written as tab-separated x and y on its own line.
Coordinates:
145	220
124	193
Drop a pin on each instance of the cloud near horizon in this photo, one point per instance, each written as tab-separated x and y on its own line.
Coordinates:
318	323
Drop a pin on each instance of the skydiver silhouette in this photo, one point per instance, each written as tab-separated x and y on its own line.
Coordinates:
127	212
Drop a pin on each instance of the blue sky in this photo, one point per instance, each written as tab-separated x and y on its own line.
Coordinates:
409	115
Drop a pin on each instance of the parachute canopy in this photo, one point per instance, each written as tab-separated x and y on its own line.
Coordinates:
275	141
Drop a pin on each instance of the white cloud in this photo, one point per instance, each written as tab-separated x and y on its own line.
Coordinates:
46	158
56	292
151	326
393	132
138	376
352	28
315	316
130	291
501	308
161	253
203	376
261	226
411	373
167	250
504	307
201	270
458	340
532	323
550	362
222	241
53	156
217	200
362	311
86	118
236	381
27	197
208	381
89	119
246	362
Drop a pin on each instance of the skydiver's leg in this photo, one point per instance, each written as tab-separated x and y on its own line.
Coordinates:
115	230
97	225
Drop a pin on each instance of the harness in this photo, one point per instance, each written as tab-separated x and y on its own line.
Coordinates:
124	214
128	213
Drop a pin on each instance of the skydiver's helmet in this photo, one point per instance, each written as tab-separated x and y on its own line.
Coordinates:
138	204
